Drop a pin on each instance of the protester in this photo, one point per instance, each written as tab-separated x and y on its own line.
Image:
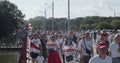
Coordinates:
74	38
54	47
101	57
69	48
85	49
35	49
43	44
53	55
114	49
104	38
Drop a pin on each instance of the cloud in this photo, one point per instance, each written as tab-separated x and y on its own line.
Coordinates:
79	8
97	7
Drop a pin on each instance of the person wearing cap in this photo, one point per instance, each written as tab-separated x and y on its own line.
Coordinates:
104	38
101	57
114	49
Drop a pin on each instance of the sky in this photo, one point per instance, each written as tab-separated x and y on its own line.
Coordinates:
78	8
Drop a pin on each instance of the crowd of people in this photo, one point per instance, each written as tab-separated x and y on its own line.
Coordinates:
65	47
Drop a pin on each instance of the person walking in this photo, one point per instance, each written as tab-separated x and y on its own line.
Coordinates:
43	44
53	55
85	49
101	57
35	49
114	49
69	48
104	38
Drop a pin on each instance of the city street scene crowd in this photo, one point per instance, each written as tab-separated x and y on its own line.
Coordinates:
59	31
98	46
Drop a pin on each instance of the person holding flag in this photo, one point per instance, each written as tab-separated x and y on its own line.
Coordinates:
53	55
35	47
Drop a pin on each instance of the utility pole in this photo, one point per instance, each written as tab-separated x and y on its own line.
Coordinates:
68	21
53	15
45	20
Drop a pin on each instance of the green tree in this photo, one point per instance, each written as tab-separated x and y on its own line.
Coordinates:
11	18
115	23
103	25
81	23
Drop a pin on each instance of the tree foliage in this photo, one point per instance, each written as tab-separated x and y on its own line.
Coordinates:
103	25
115	24
11	18
83	23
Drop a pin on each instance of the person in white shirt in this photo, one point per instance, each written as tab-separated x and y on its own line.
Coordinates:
35	49
114	49
53	55
101	57
69	48
84	44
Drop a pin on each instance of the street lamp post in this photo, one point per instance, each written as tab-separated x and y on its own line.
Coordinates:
68	21
53	15
45	20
